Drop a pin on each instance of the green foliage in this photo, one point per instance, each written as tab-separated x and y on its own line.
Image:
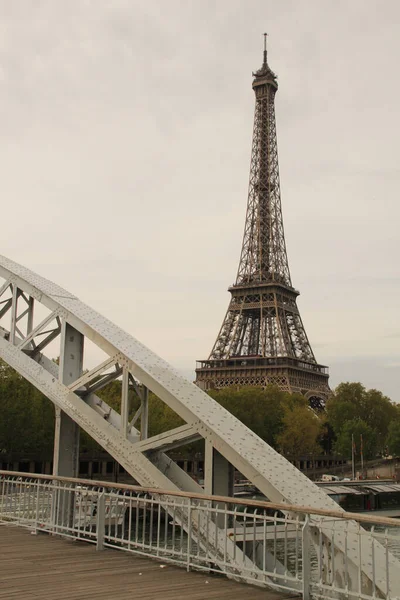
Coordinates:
393	439
283	420
352	403
161	417
27	417
260	409
357	428
301	429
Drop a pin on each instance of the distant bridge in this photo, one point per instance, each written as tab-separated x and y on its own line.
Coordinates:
36	313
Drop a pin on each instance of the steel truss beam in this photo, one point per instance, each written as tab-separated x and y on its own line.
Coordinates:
97	373
270	472
38	330
169	440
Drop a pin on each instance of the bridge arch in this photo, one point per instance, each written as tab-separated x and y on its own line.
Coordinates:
23	346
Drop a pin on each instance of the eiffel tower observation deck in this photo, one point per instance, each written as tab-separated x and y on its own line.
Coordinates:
262	339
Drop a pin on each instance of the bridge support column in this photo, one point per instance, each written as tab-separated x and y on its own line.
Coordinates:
218	477
222	475
144	416
66	439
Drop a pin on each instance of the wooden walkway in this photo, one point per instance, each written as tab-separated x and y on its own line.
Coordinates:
49	568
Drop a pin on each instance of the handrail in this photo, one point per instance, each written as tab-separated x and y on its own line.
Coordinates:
294	508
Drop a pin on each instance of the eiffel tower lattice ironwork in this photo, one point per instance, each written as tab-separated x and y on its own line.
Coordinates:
262	339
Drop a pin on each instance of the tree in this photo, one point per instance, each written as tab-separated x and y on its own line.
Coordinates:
354	429
161	417
260	409
27	416
393	439
301	429
352	402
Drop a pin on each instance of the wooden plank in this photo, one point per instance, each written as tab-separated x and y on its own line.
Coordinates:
45	567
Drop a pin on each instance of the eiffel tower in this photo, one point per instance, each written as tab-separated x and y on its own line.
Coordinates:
262	339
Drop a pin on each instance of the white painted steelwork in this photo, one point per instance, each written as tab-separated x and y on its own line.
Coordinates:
147	521
23	344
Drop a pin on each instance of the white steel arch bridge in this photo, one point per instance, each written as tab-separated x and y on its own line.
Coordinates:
34	313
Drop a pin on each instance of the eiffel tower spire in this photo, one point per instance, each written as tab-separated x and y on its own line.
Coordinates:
263	256
262	339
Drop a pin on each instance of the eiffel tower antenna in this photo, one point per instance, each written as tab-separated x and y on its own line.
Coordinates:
265	48
262	339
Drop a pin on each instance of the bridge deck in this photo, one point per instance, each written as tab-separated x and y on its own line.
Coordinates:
49	568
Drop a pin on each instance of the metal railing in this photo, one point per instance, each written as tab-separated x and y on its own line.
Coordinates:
289	548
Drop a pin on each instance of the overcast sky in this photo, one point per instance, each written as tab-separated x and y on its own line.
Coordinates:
125	147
